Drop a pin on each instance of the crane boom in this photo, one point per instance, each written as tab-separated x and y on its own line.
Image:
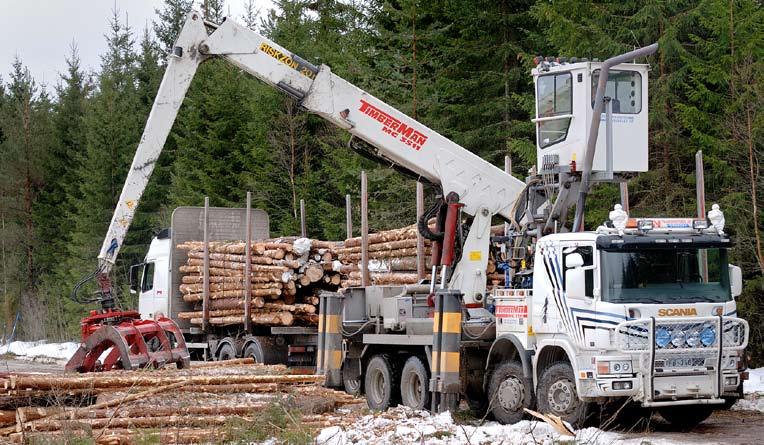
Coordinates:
483	189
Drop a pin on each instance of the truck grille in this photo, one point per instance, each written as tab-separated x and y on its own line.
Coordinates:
682	335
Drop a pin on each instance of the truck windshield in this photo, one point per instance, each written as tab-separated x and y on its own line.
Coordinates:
664	276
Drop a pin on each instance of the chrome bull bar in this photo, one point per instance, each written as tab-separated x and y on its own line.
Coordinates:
667	340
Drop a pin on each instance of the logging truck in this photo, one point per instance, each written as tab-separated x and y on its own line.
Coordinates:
639	310
157	281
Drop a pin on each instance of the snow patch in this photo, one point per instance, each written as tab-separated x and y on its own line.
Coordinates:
755	382
753	388
40	349
403	425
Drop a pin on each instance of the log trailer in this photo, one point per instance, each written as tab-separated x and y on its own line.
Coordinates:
639	309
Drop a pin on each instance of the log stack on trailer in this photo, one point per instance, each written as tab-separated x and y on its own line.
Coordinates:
286	275
393	258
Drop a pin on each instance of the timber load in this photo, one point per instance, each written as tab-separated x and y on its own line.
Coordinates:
211	402
285	278
393	258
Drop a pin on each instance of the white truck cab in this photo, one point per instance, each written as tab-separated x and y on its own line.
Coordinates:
153	287
637	315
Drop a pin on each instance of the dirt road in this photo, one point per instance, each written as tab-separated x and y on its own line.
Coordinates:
723	427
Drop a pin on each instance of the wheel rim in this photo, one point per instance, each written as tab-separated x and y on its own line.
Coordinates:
562	396
511	394
352	385
377	387
413	390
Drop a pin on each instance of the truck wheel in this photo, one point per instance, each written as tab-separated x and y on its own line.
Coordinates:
226	352
685	417
510	392
557	394
254	350
381	382
264	350
415	381
353	386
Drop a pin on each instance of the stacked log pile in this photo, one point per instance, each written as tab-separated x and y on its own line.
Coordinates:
392	258
178	406
286	275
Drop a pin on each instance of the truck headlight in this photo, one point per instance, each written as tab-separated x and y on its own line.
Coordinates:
708	336
678	338
662	337
693	338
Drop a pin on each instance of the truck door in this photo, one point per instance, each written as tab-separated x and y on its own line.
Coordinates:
152	301
578	282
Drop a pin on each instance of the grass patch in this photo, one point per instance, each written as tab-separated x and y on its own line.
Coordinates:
275	421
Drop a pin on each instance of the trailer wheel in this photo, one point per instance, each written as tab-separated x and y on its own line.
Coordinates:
414	384
265	350
254	350
381	382
510	392
685	417
557	394
226	352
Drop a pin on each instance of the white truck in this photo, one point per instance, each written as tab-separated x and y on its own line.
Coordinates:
639	310
157	279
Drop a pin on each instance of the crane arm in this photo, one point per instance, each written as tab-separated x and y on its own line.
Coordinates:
483	189
181	67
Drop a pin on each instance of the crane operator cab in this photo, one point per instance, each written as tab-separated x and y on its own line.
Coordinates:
564	110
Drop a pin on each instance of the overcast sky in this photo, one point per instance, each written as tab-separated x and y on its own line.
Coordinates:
41	32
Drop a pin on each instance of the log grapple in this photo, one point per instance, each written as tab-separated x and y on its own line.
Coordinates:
118	339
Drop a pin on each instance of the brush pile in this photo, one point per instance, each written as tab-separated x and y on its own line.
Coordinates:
208	402
286	275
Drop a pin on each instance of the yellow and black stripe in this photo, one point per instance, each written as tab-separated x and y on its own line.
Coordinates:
446	337
329	354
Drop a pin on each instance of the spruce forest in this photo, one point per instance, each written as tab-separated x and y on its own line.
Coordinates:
460	67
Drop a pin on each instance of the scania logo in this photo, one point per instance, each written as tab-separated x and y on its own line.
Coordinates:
677	312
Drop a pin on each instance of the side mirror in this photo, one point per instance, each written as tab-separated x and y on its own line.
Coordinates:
736	281
574	260
135	285
575	276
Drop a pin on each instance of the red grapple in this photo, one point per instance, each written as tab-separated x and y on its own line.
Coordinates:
113	339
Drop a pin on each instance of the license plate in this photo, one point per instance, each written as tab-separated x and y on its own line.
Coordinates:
682	362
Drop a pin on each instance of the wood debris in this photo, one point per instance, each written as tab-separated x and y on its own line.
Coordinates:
203	403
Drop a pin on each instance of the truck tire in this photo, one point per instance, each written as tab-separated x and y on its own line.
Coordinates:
415	380
510	392
353	386
381	382
557	394
685	417
226	351
264	350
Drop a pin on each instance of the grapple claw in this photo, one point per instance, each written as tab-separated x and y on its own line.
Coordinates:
121	340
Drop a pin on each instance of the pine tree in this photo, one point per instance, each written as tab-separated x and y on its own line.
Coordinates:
112	125
171	19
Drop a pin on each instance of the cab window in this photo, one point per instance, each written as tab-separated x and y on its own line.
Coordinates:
147	281
587	253
624	88
555	98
